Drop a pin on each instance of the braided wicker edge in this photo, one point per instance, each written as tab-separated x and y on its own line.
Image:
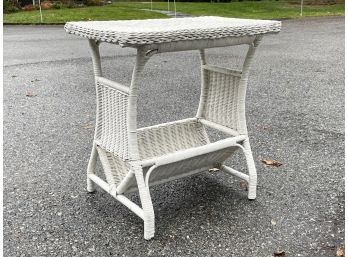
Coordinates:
146	38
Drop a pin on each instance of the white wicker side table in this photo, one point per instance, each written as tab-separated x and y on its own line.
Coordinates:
135	158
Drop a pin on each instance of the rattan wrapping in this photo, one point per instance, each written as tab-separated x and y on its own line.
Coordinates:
156	31
152	142
111	131
169	138
222	99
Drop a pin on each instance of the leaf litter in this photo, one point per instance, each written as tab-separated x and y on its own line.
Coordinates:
272	163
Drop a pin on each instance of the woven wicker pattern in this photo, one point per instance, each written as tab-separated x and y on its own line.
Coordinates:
111	132
115	169
155	31
222	99
161	140
153	142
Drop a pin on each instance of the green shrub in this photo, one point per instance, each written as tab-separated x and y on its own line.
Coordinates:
28	7
69	4
9	7
57	5
94	2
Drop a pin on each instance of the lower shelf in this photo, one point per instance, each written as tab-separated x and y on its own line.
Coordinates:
169	151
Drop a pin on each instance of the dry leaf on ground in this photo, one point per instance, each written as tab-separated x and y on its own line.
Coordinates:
272	163
243	185
279	253
88	126
30	94
339	252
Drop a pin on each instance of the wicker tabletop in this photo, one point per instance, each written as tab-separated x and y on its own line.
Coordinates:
155	31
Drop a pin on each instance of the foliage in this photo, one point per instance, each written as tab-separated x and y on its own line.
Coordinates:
93	2
57	5
28	7
45	5
9	7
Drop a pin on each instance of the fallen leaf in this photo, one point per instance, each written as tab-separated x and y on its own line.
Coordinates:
330	247
30	94
88	126
272	163
243	185
279	253
339	252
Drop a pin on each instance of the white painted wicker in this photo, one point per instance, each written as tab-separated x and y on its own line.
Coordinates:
157	31
135	158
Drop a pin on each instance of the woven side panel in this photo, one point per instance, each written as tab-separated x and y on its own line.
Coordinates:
161	140
222	99
112	120
115	169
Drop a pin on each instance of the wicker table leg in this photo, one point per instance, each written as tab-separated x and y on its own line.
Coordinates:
94	49
144	191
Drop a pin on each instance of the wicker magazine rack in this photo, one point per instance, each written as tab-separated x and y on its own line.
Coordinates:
135	158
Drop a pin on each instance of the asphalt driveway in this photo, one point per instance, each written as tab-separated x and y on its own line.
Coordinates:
295	110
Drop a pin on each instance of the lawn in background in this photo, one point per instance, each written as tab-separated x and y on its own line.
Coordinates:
107	12
134	10
246	9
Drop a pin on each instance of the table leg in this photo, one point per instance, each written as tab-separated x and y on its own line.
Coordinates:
252	183
91	169
94	50
144	191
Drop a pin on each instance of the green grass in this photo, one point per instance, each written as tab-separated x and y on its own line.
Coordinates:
108	12
256	10
132	10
